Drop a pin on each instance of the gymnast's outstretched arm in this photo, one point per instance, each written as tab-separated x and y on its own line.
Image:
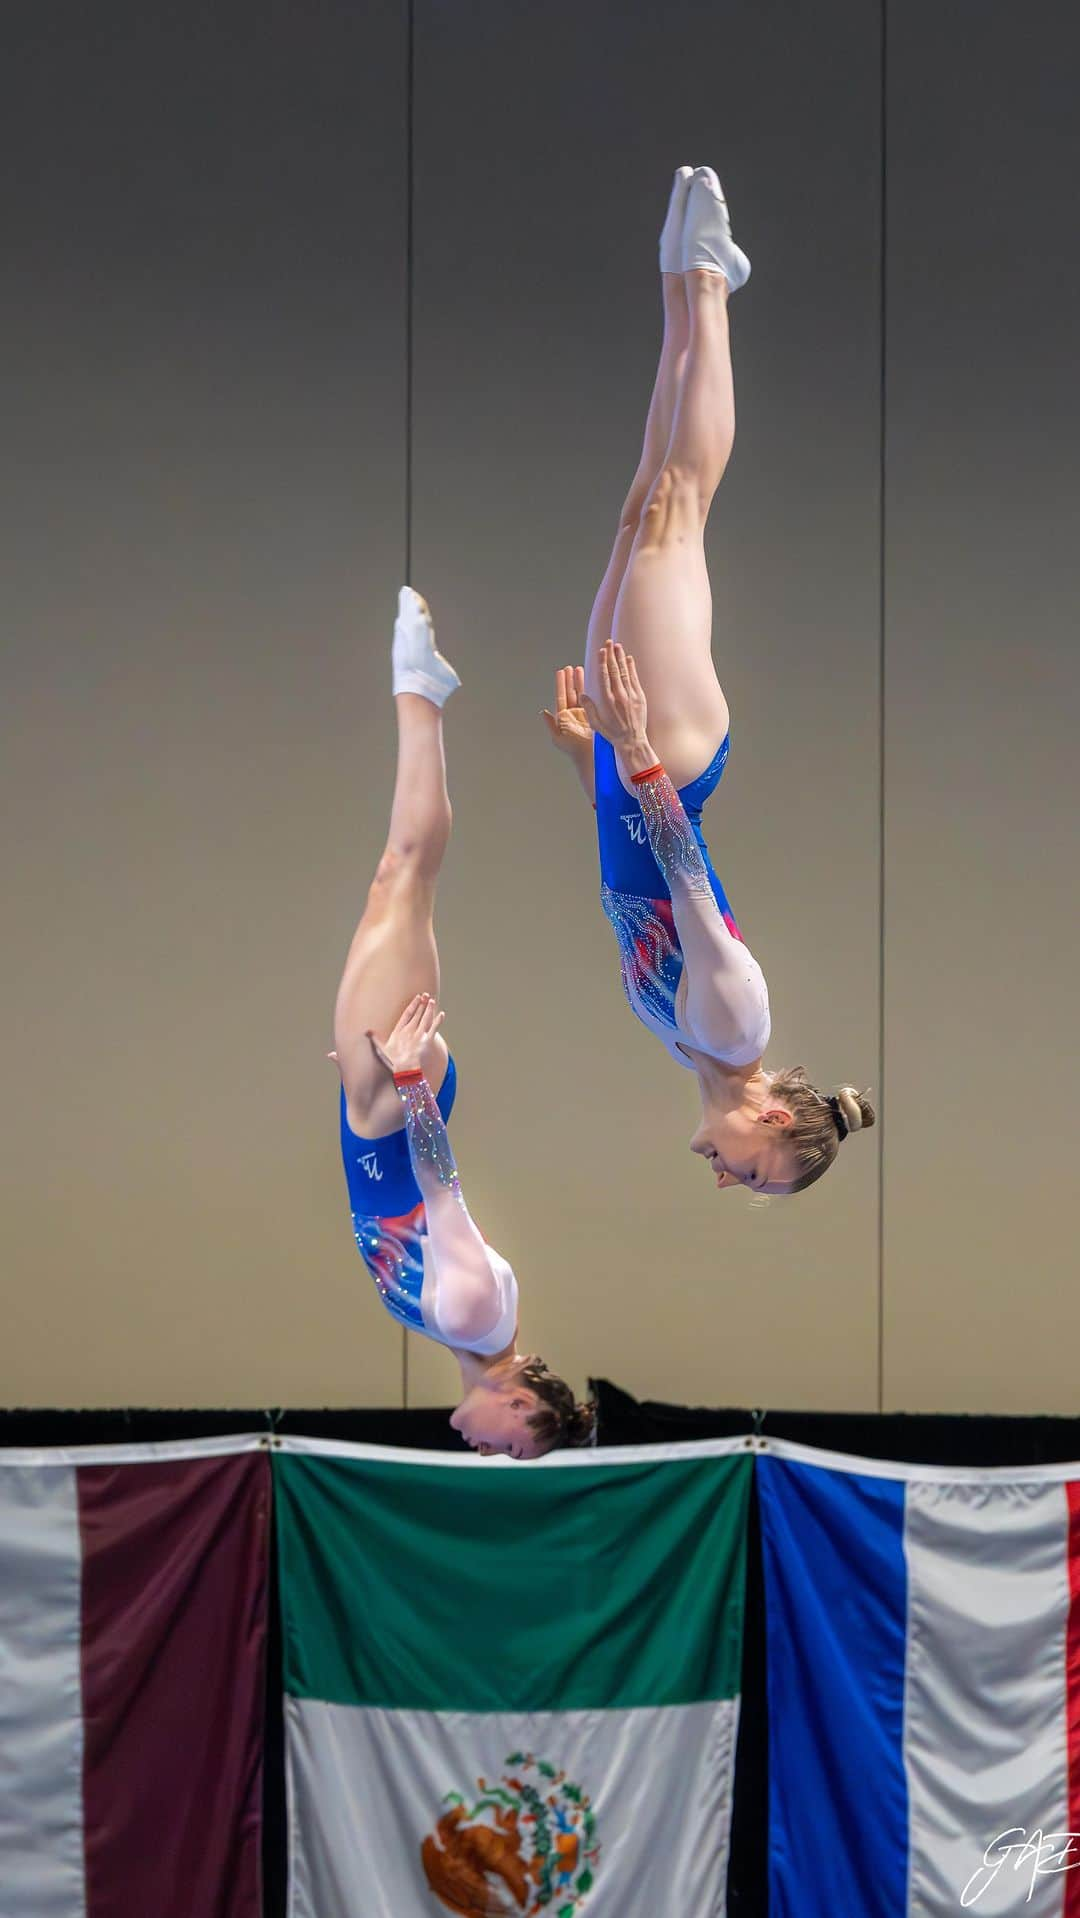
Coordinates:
467	1300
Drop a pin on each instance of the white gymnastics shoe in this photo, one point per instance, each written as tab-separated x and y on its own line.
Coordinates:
707	241
419	667
671	233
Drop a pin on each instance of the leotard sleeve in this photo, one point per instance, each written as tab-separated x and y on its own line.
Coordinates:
472	1282
726	997
671	836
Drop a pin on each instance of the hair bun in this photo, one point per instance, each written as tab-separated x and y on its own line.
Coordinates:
857	1110
582	1424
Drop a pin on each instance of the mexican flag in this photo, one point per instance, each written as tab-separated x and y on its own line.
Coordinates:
133	1597
511	1688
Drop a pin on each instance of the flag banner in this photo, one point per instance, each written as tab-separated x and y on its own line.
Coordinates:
511	1689
133	1590
923	1687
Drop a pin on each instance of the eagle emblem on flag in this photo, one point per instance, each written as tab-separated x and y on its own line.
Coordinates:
528	1844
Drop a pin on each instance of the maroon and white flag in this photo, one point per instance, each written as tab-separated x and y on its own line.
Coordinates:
133	1598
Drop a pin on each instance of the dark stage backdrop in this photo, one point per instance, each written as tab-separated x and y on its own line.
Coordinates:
245	248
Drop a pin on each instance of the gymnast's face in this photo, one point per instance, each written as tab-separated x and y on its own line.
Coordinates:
747	1149
494	1419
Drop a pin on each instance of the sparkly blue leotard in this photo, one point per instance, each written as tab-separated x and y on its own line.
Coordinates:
417	1253
388	1211
645	840
627	861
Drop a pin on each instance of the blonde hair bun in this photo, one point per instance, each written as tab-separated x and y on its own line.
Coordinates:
857	1110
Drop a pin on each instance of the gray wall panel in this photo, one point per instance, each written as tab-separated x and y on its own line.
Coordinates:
546	138
204	533
205	250
983	682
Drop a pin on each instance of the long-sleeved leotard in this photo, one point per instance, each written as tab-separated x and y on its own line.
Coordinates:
471	1280
432	1266
687	971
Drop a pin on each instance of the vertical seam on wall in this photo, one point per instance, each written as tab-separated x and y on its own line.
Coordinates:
410	72
882	428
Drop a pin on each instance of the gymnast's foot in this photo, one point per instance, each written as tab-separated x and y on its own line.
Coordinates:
671	234
707	241
419	667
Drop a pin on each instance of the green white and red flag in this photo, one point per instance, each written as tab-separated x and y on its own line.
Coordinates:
511	1688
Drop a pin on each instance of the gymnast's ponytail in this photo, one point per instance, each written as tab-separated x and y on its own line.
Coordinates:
819	1122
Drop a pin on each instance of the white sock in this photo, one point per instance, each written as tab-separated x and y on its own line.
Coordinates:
707	241
672	230
418	665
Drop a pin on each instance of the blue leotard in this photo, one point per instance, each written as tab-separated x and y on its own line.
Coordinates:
627	862
391	1225
388	1211
639	852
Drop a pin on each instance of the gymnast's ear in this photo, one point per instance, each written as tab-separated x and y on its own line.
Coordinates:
779	1116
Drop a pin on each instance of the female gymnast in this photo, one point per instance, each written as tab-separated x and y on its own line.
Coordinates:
435	1272
646	723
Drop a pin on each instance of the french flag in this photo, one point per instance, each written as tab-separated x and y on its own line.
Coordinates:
133	1604
923	1644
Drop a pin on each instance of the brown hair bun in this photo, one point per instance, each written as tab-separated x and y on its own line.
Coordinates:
559	1420
857	1110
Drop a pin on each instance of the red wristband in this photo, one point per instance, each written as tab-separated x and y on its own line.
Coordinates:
408	1078
651	772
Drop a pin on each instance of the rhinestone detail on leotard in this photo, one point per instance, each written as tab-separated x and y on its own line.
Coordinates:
429	1141
650	956
393	1251
671	836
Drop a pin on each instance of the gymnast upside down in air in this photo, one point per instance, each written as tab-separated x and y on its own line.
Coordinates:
646	723
435	1272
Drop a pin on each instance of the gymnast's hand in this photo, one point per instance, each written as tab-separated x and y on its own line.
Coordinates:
568	727
411	1045
620	709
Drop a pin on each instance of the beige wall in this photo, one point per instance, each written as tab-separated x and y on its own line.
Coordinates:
982	1306
206	542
